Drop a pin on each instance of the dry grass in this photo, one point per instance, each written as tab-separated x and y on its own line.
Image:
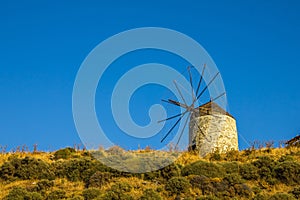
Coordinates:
140	185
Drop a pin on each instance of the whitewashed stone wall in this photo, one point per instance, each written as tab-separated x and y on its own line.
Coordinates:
218	132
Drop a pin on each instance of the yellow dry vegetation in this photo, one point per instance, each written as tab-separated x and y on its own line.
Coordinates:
139	185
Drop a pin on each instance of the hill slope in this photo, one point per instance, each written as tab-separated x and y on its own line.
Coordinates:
270	173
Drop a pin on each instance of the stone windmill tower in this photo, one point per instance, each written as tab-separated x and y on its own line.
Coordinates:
211	128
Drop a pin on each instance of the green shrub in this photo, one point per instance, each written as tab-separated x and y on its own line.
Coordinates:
232	179
212	188
231	167
121	187
33	196
256	190
16	193
215	156
208	186
44	185
265	167
208	198
25	169
150	194
232	155
264	161
286	158
197	181
164	173
118	192
249	172
75	169
98	179
76	197
260	197
177	185
288	172
151	175
243	190
7	171
78	169
170	171
281	196
91	193
220	189
57	194
266	173
207	169
296	192
111	195
231	186
64	153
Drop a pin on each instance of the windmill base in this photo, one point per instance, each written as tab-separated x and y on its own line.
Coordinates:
213	133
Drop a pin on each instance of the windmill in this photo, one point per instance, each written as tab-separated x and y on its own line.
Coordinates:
210	126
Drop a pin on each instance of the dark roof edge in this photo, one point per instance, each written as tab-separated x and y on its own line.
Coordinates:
211	103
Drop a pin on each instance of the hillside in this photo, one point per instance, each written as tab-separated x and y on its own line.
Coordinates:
266	173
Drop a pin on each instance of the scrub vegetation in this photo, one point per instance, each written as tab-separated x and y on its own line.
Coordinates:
74	174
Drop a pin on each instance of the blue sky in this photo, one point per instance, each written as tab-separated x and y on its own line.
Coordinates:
255	45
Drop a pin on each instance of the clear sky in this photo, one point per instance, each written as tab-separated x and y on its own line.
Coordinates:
255	45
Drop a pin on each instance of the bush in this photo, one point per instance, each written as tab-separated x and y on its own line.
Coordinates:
121	187
212	188
164	173
170	171
98	179
260	197
256	190
208	198
231	186
150	194
215	156
296	192
118	192
57	194
75	169
249	172
64	153
243	190
197	181
177	185
286	158
79	169
76	197
231	167
25	169
110	195
232	155
44	185
281	196
232	179
207	169
91	193
16	193
265	167
33	196
151	175
288	172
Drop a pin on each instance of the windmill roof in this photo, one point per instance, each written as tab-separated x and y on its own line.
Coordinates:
210	108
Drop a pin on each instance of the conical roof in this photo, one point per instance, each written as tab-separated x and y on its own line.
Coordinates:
211	108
